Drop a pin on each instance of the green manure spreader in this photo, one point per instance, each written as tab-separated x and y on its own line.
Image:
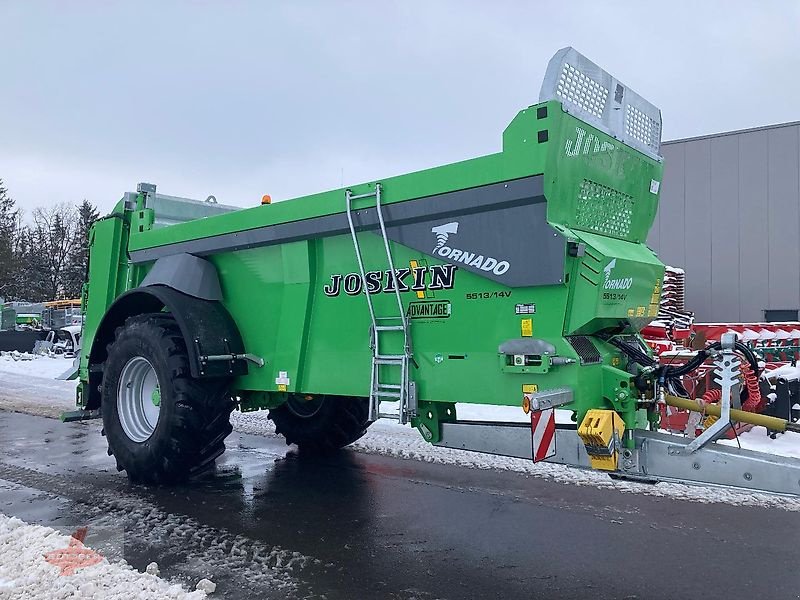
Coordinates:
521	278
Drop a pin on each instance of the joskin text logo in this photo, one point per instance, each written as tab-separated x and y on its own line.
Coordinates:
473	259
583	144
623	283
414	279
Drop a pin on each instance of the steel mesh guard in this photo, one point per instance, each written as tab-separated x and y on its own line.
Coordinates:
585	349
596	97
604	210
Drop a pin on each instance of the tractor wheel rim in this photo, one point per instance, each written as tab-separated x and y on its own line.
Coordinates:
138	399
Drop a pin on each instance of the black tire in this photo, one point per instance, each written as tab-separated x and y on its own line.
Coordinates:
322	425
194	415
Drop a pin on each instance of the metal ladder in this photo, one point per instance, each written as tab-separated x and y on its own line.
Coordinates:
403	393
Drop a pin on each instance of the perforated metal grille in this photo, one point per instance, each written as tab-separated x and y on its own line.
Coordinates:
575	87
643	128
585	349
596	97
604	210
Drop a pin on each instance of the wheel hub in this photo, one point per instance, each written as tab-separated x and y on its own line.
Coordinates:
138	399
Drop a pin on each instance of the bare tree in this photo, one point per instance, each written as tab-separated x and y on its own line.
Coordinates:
52	236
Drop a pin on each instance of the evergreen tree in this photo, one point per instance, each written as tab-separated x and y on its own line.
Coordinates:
79	253
8	231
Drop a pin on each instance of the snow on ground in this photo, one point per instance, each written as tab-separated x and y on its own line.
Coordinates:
37	562
757	439
28	386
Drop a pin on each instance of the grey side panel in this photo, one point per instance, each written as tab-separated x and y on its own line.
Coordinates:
698	228
189	274
725	217
784	220
513	245
671	242
735	267
494	197
753	243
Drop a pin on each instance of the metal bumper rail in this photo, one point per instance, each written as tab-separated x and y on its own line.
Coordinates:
657	457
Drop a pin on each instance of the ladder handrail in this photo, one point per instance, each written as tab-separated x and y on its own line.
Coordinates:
377	390
348	198
391	262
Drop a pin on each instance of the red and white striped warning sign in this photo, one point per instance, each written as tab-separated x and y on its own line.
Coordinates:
543	433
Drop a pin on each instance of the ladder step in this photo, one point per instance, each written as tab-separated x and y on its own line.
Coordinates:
390	386
391	357
390	328
359	196
386	394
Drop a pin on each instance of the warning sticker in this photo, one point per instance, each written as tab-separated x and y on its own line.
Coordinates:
527	327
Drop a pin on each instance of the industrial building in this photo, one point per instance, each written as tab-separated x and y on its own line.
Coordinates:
730	216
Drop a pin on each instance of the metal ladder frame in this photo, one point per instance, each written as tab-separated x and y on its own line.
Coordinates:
405	391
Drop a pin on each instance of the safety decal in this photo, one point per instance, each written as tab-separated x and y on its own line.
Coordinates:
526	327
543	434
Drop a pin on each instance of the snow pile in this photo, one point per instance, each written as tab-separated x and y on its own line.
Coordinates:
196	551
16	356
787	372
25	573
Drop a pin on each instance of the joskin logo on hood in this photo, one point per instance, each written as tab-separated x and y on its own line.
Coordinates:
477	261
623	283
586	144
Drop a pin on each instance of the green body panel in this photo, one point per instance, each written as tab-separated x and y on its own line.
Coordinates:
599	198
108	278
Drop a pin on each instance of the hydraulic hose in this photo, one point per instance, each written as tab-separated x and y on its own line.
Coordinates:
670	375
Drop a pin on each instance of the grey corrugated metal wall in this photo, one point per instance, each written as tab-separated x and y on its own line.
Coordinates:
730	216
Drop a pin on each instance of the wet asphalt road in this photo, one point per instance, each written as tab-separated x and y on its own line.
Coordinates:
271	525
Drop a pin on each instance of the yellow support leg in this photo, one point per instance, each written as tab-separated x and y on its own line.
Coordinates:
601	432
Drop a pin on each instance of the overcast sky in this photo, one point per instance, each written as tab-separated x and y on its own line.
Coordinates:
240	99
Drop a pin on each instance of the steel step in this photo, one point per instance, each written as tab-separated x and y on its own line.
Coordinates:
383	394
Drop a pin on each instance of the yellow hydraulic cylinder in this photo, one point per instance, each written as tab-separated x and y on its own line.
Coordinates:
742	416
601	432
